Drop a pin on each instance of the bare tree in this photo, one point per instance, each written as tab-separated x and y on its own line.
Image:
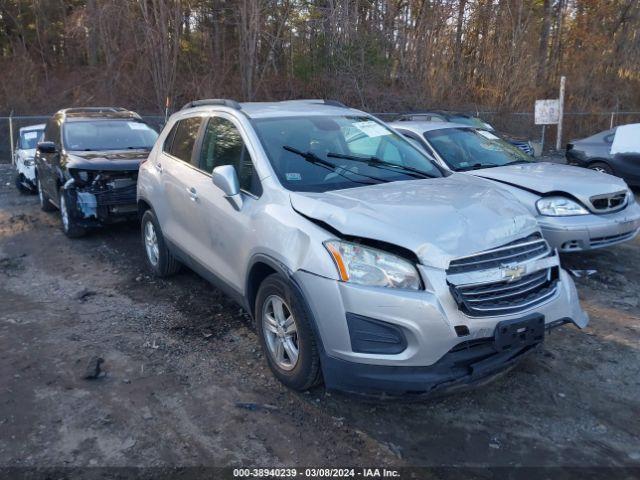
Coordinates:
249	35
160	23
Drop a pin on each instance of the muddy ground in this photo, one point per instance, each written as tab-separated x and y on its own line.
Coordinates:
186	384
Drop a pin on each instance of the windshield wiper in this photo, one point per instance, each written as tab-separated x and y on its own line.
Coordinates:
138	148
518	162
310	157
374	161
477	166
316	160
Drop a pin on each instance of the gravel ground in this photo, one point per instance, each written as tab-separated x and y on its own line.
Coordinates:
185	383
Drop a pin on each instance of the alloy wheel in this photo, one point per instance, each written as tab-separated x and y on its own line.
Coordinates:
280	332
151	243
40	194
64	214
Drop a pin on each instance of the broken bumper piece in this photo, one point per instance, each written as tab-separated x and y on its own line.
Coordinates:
104	201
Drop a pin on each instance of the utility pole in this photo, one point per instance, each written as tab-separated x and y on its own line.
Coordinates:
563	80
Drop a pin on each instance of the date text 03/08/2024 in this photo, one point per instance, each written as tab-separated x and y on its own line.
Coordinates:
315	473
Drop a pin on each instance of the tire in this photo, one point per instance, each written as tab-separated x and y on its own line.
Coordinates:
21	186
601	167
163	263
305	372
45	201
68	221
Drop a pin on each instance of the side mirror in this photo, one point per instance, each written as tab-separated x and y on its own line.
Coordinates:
226	179
46	147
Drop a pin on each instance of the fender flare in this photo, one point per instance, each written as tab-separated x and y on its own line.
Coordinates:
286	272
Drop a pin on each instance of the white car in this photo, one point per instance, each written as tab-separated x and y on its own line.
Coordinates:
23	157
577	209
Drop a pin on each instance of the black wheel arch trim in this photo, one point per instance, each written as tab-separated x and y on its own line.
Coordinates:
286	272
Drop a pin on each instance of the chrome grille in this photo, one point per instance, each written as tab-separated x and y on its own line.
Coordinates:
609	202
503	298
505	280
519	251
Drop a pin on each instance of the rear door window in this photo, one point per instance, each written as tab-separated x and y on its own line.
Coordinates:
184	139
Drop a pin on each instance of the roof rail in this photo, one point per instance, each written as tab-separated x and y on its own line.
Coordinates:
334	103
225	102
94	109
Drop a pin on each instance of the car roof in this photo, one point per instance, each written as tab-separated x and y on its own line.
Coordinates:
286	108
29	128
421	127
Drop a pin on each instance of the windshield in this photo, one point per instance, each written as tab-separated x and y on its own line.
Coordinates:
466	149
29	139
108	135
322	153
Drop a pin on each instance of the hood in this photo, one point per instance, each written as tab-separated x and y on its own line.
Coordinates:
544	178
27	153
438	219
107	160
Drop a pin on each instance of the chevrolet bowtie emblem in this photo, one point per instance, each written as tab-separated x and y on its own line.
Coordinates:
513	272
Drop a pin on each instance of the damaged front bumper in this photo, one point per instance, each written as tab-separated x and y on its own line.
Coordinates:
107	198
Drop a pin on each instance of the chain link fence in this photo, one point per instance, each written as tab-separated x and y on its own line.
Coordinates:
520	124
10	129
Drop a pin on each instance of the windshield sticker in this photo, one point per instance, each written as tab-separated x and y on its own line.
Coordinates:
30	135
487	135
293	177
371	128
137	126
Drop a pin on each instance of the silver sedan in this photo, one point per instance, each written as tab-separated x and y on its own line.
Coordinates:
577	209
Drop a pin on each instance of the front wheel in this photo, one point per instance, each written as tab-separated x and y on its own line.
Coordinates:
286	334
70	225
45	202
20	183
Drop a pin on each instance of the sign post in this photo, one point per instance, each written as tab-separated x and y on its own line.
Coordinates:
11	138
563	80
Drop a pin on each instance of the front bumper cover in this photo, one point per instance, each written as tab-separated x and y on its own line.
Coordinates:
588	232
433	329
467	365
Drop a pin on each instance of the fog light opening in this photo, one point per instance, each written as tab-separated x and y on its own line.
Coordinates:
462	330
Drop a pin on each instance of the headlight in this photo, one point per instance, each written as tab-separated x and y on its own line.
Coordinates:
369	266
28	162
560	207
82	177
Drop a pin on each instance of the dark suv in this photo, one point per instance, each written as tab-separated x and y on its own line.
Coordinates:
87	165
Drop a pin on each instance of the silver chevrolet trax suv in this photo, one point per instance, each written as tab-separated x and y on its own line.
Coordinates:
362	262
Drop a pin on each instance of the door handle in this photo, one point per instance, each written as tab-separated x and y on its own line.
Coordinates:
158	166
192	194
